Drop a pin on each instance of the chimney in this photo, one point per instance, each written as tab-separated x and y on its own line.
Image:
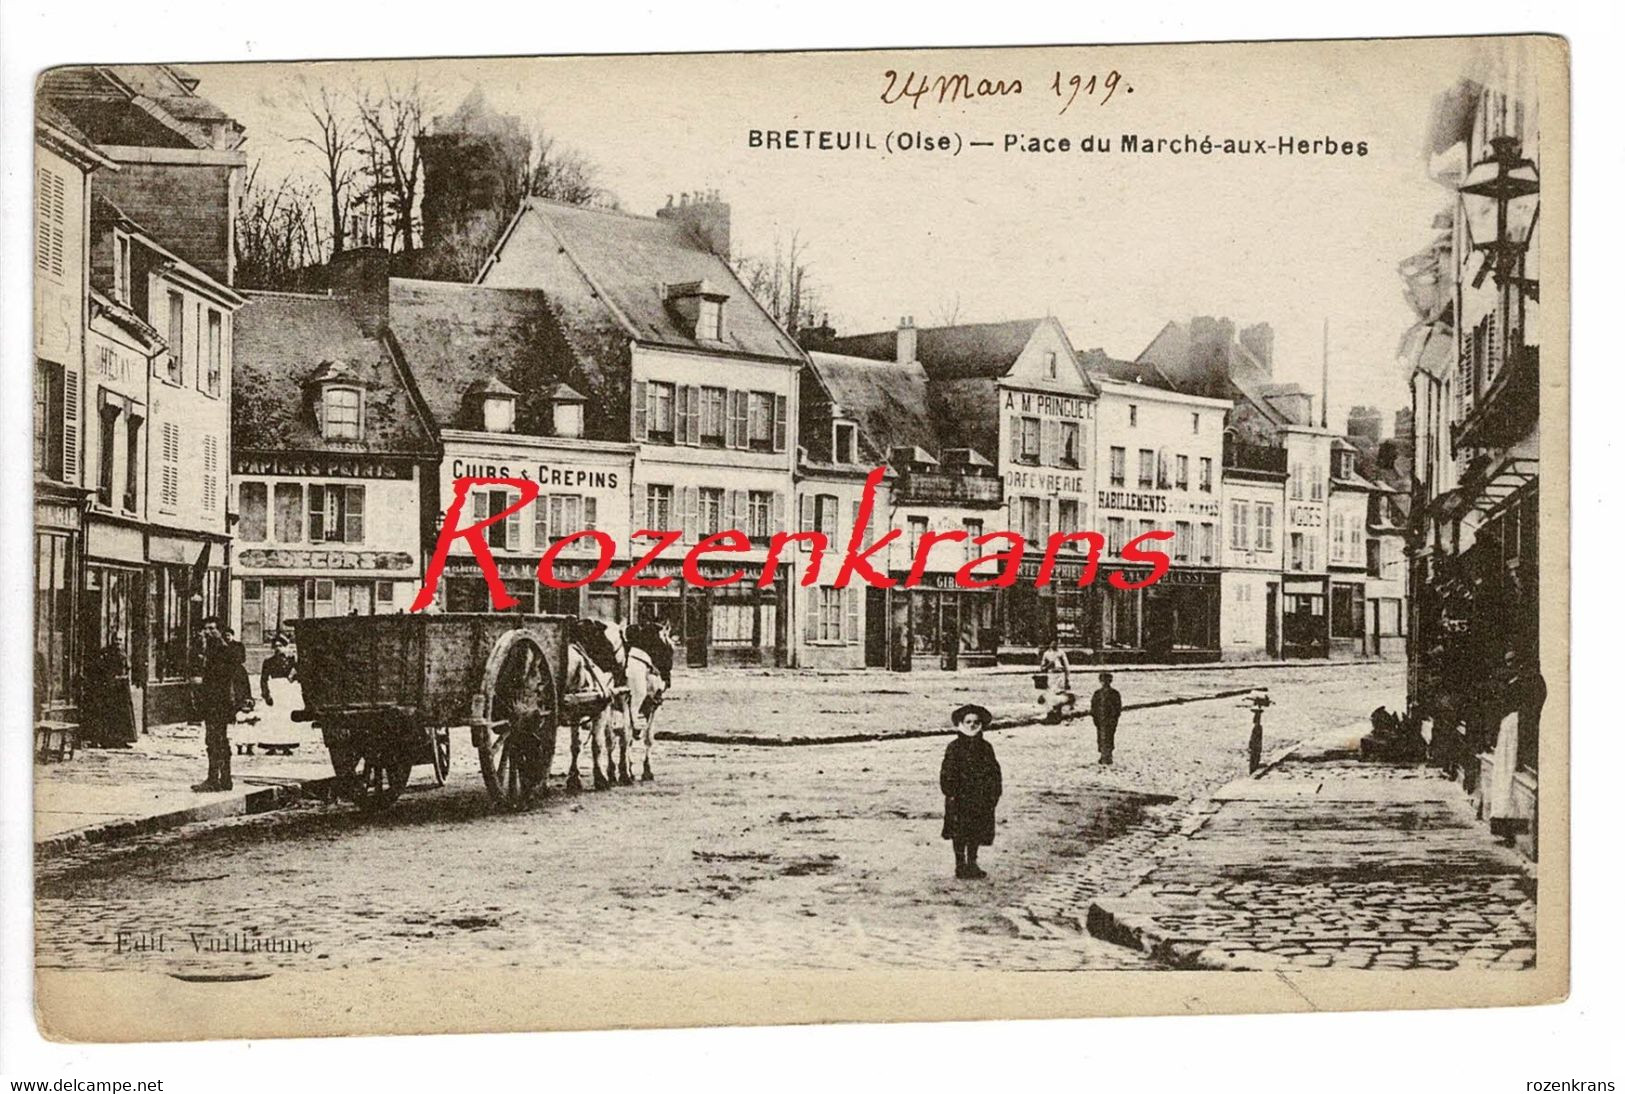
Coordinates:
907	341
1259	340
707	218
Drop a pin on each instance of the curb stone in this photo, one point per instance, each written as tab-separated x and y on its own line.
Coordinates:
264	800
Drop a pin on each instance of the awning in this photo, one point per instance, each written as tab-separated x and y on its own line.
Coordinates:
1508	478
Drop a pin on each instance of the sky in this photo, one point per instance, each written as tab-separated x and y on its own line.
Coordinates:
1113	245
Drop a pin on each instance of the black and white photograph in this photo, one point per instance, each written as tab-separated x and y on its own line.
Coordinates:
578	542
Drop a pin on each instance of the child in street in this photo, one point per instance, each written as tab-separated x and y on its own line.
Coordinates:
971	786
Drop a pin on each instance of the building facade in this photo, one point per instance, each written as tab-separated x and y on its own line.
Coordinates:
331	459
1160	456
1252	508
679	360
1475	665
1305	581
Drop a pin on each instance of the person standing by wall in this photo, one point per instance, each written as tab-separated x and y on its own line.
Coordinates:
971	786
1105	707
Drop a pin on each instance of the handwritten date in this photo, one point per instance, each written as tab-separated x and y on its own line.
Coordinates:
916	88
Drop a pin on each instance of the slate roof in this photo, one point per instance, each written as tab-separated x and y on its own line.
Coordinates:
129	104
608	269
280	341
453	335
887	400
1096	361
961	352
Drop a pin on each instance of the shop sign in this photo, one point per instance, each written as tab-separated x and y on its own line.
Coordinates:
277	558
1048	406
1306	516
1137	502
1175	578
1047	482
49	514
556	476
317	466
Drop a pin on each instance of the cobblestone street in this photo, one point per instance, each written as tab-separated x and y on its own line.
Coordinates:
738	856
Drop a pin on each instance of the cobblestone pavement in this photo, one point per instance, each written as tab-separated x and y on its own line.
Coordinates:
1332	863
824	856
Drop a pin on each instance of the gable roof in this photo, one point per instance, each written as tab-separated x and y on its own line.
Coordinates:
887	400
1244	380
1128	372
279	343
144	105
453	336
960	352
613	268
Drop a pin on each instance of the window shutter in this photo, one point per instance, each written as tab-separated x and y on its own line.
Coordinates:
355	511
589	513
777	523
813	608
540	525
691	513
640	509
852	593
781	419
691	435
640	410
70	425
1049	443
1015	437
679	411
805	520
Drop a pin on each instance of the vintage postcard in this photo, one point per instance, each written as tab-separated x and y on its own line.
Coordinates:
581	542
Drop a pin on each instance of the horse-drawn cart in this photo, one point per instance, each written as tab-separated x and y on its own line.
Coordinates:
386	691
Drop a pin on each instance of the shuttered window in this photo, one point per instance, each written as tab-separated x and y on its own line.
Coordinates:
51	216
70	425
169	460
211	472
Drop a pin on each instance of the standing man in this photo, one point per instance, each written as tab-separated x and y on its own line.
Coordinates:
218	679
971	786
1105	707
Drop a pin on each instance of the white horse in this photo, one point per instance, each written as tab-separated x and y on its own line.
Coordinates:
593	694
647	657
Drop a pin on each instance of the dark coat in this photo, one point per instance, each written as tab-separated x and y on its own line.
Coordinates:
1106	706
971	785
217	694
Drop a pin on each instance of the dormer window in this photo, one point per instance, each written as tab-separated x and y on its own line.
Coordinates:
568	416
341	413
699	305
844	444
489	405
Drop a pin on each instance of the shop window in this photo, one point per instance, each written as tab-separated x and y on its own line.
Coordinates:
251	512
1122	623
1348	611
289	501
53	600
733	622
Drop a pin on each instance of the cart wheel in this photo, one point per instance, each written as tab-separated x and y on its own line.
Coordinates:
518	707
440	740
378	783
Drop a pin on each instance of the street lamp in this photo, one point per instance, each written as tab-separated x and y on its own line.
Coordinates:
1501	196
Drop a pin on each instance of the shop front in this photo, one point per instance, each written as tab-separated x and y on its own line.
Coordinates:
936	624
1305	630
186	583
738	624
1062	610
464	588
112	606
1173	621
57	549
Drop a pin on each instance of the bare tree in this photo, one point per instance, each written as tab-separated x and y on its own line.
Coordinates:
783	284
390	123
336	142
277	232
946	313
561	173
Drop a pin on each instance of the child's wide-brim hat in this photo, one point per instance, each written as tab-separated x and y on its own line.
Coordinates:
973	708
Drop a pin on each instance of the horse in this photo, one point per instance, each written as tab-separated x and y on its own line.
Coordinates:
647	659
591	669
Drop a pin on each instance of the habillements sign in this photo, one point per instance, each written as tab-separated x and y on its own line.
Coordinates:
1077	332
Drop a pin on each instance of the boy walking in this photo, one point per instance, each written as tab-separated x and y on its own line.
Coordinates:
971	785
1105	707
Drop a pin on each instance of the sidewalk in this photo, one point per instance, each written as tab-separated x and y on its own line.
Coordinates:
103	795
1325	861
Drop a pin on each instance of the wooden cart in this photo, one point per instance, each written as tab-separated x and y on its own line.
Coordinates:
386	691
